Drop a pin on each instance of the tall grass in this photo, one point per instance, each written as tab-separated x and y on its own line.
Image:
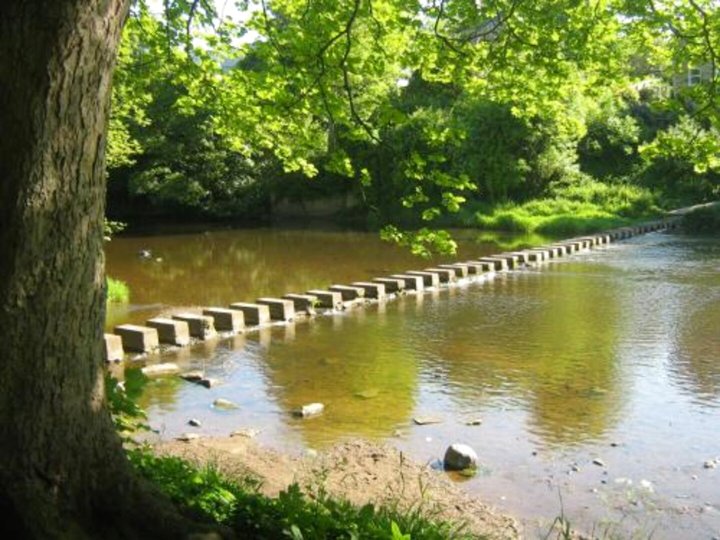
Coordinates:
118	291
578	207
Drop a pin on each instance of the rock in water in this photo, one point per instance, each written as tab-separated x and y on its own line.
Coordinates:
168	368
459	457
221	403
310	410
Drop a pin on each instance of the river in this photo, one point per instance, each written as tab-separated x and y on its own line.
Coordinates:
593	381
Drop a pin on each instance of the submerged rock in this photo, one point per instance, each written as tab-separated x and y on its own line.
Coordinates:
459	457
424	420
193	376
599	462
310	409
208	382
221	403
194	422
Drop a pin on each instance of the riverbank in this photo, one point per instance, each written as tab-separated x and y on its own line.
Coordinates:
357	471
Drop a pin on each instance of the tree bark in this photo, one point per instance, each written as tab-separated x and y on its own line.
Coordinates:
63	473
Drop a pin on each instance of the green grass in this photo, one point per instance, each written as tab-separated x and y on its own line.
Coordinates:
208	496
577	208
118	291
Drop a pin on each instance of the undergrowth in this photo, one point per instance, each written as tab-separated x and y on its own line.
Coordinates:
703	220
206	495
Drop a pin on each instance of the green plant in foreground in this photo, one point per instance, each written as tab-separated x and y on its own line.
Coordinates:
118	291
207	495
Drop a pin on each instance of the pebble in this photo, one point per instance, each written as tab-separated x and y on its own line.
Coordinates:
194	422
474	422
187	437
710	464
221	403
207	382
599	462
575	468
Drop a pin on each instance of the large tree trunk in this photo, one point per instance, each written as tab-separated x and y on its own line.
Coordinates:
63	472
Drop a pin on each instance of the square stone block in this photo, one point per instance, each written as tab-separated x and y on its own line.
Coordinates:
497	263
170	331
226	320
392	285
348	292
461	270
414	283
445	275
327	299
372	290
113	348
255	314
430	279
136	338
281	309
201	326
303	302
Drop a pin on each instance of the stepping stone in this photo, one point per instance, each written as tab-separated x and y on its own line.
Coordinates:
512	260
522	256
498	264
347	292
136	338
460	270
281	309
480	267
327	299
372	290
226	320
255	314
113	351
430	279
414	283
171	331
303	302
201	326
392	285
446	276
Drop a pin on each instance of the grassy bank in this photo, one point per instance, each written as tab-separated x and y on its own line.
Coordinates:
567	210
207	496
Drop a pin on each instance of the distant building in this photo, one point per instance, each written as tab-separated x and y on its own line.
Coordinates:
691	76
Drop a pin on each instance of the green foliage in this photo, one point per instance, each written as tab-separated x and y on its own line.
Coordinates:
208	495
127	416
117	291
420	108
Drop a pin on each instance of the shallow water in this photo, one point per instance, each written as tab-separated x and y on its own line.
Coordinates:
611	355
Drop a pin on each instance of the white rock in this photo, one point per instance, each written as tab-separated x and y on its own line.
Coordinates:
710	464
460	456
310	409
247	433
194	422
187	437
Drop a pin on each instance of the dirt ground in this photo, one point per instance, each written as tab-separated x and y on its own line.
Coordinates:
358	471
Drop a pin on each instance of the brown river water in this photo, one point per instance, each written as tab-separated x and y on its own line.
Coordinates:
611	355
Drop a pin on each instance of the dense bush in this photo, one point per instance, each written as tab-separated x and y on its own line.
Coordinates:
703	220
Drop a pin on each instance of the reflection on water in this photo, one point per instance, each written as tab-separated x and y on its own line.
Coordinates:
614	354
219	267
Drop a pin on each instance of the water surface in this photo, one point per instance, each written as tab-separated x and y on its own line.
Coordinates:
611	355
